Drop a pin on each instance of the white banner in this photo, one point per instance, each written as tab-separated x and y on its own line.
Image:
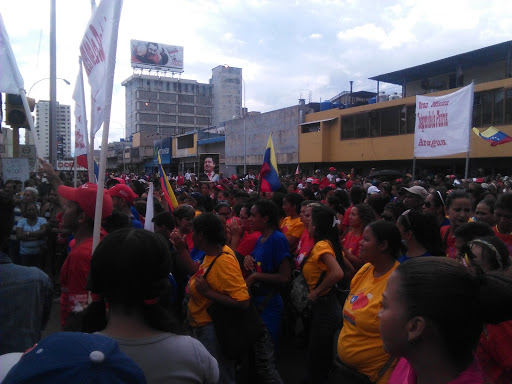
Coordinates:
15	169
150	210
10	77
81	139
97	49
443	123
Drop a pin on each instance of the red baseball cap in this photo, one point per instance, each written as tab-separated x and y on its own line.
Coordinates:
332	169
316	181
124	192
85	196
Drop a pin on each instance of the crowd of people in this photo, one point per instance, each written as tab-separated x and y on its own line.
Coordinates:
407	281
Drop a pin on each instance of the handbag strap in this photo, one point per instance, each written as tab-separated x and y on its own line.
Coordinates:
322	275
211	264
384	368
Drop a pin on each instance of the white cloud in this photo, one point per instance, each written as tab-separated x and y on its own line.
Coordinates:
283	47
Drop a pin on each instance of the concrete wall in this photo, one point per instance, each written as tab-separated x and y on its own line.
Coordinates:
284	125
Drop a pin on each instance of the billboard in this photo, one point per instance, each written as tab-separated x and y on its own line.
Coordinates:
209	167
162	146
156	56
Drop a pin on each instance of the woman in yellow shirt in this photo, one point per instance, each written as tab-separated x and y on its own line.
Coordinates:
292	226
224	284
322	271
360	349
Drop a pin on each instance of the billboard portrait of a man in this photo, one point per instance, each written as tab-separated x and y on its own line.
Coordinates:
210	164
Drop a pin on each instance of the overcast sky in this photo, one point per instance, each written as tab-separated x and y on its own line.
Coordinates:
286	49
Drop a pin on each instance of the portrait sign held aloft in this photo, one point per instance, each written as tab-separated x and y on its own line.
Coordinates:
156	56
209	167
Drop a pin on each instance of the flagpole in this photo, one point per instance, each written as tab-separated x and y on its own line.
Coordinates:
90	150
75	165
466	171
413	167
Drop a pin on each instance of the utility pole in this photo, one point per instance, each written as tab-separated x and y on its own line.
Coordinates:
52	133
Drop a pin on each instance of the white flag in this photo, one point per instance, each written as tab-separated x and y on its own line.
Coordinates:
150	211
81	139
10	76
443	123
98	47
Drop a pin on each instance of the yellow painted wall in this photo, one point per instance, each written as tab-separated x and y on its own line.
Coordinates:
186	152
327	146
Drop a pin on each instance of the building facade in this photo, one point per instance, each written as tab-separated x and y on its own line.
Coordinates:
382	134
227	90
42	125
246	139
166	106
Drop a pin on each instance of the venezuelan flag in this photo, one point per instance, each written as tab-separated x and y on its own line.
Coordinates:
269	178
166	187
494	136
83	162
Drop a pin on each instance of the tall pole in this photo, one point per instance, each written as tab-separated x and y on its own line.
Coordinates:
245	128
413	167
52	132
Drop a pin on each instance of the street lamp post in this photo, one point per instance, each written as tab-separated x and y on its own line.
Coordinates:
52	129
46	78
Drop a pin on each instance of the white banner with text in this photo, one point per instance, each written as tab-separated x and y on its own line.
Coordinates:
443	123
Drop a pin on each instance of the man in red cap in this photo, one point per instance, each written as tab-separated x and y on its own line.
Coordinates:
122	199
78	218
332	174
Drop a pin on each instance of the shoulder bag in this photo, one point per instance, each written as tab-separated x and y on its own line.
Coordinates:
236	329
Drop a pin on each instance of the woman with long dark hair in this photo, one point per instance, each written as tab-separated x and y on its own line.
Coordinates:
322	271
420	234
435	204
433	312
224	284
360	351
360	216
130	271
270	265
458	205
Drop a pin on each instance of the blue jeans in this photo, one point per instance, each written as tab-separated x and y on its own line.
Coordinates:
206	335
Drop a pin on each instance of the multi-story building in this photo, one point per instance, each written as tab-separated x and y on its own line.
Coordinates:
382	134
227	94
42	125
166	106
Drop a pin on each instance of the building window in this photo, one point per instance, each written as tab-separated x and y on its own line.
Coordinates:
492	108
389	122
186	142
347	127
361	125
307	128
508	106
383	122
